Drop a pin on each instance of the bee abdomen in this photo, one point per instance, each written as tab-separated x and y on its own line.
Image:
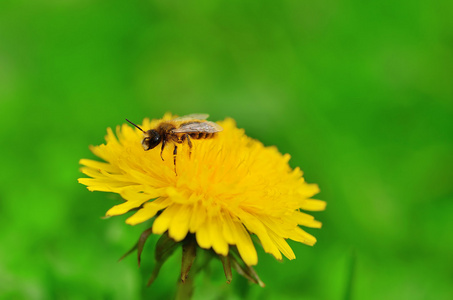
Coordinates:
202	135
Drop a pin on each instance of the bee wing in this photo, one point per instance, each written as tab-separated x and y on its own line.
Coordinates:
192	117
206	126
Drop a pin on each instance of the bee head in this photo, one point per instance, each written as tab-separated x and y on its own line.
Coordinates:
151	140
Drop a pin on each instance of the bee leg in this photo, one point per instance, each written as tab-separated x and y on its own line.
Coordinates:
175	151
189	142
162	149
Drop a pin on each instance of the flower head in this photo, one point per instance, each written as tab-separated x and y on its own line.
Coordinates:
229	187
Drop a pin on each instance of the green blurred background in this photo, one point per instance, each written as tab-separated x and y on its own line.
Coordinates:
360	93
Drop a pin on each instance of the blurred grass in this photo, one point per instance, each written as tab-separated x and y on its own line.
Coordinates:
359	94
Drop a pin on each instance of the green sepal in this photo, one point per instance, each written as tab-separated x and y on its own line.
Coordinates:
243	269
164	249
189	252
226	267
139	245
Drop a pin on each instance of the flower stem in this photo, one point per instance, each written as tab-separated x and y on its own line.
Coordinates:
185	289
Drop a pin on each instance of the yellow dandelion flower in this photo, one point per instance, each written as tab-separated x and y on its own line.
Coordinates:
228	188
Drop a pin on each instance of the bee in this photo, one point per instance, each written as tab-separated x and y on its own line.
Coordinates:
177	131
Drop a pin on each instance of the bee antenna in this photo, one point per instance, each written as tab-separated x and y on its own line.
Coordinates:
136	126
